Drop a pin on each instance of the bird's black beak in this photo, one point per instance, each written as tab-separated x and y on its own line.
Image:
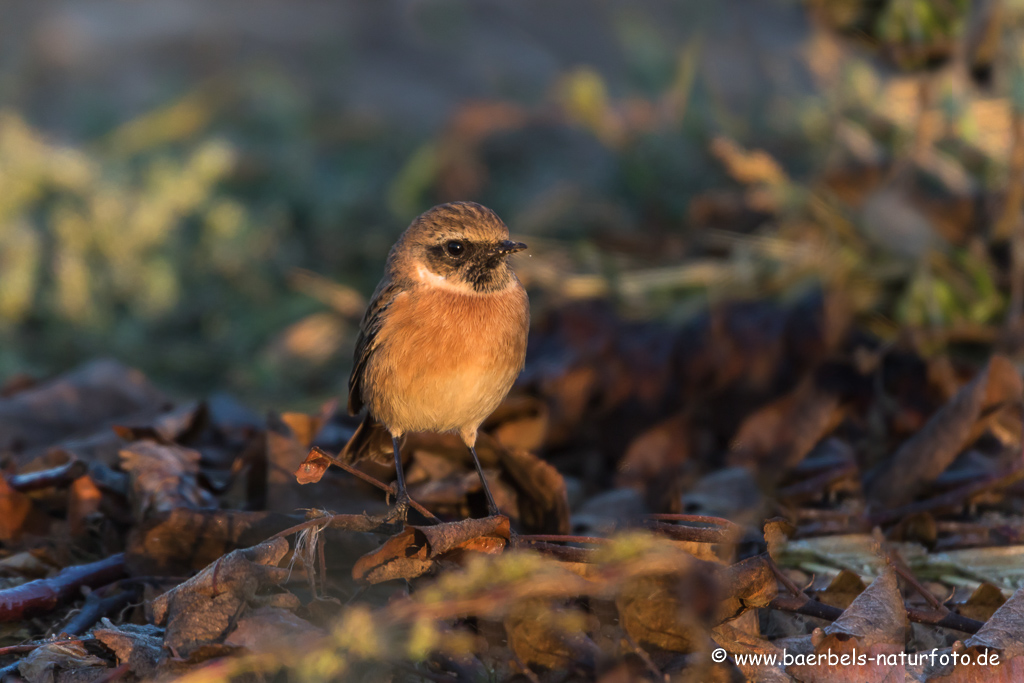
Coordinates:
507	247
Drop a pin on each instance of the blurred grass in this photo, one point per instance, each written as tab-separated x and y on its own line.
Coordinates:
199	240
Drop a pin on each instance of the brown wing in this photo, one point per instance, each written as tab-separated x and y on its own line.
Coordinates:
369	441
373	321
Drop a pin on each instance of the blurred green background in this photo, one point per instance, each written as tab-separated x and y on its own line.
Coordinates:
208	190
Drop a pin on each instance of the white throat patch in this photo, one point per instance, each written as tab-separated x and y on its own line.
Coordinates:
432	279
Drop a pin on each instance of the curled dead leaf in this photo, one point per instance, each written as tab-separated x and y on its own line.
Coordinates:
202	610
413	551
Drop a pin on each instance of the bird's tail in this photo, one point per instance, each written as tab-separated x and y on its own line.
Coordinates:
370	441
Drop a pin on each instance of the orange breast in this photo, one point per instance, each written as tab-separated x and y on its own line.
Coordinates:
445	360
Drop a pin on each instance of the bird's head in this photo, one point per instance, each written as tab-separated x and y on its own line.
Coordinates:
462	246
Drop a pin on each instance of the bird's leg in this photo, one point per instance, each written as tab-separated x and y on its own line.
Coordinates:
492	509
400	512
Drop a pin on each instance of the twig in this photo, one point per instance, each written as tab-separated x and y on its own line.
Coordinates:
63	475
341	521
43	595
564	553
818	483
559	538
950	498
806	606
904	571
812	608
390	489
95	608
644	657
781	576
951	620
695	534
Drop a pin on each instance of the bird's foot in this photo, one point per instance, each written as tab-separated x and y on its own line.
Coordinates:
398	514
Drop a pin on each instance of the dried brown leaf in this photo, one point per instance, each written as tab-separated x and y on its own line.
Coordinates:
138	646
1001	637
273	628
18	514
1005	630
61	662
95	393
84	499
745	585
665	598
777	532
655	458
983	603
163	478
312	468
549	636
843	590
543	501
875	616
735	641
304	427
783	432
202	610
285	456
414	550
924	456
660	611
182	541
520	422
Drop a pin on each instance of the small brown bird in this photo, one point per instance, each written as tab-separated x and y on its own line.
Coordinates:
443	339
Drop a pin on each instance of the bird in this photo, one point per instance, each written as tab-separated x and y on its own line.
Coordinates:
442	341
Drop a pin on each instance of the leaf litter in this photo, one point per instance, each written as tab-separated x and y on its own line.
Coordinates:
799	502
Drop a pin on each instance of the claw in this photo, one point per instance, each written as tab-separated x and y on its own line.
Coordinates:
399	513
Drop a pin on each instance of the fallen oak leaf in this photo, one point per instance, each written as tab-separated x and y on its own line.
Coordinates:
201	611
413	551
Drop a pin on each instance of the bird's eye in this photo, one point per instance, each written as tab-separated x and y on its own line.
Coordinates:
455	248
